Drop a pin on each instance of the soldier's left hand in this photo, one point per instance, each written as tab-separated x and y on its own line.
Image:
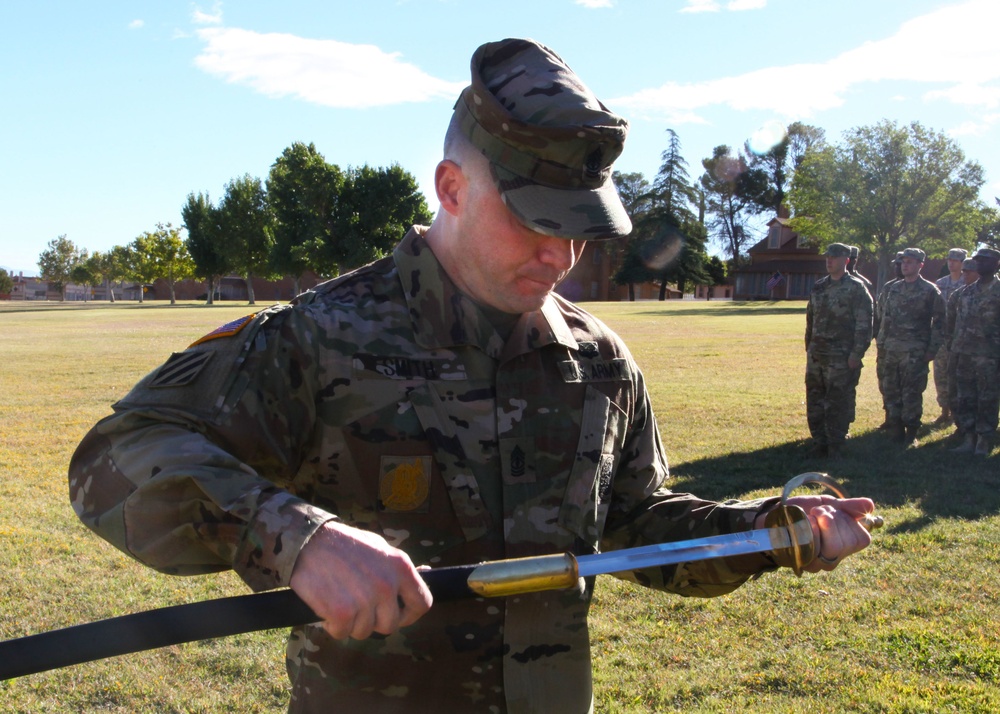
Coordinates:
836	527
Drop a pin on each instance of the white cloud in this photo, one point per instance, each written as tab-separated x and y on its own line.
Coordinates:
213	17
325	72
136	24
738	5
594	4
700	6
954	46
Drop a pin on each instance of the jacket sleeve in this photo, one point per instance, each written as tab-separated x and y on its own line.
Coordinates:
186	476
862	322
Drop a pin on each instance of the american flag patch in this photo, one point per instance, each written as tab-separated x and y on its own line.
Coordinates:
181	369
227	330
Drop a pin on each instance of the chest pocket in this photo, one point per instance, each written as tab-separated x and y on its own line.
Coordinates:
588	492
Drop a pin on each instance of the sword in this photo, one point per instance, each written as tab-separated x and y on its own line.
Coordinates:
787	537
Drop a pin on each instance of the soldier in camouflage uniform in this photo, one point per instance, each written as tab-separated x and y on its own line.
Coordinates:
876	324
974	343
852	268
440	406
838	333
911	330
947	284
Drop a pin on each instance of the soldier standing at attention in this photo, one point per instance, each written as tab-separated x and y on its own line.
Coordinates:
910	333
852	268
441	406
947	284
876	323
838	333
974	343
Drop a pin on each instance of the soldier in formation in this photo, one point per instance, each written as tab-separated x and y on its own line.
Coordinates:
947	284
974	345
838	333
441	406
911	330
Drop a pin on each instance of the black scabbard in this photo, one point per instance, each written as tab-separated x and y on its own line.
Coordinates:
173	625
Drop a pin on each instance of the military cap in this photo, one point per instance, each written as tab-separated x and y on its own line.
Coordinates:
898	258
970	264
854	252
914	253
838	250
988	253
550	142
957	254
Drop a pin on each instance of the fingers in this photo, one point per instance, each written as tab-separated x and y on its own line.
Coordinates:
358	583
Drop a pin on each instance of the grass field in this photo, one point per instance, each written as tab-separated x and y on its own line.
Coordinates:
910	625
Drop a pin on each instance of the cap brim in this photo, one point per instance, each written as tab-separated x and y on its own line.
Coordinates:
575	214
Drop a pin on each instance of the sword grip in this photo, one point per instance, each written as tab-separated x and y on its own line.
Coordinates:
871	522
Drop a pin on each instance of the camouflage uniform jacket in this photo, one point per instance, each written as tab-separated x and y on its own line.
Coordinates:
839	318
947	286
385	398
974	320
913	317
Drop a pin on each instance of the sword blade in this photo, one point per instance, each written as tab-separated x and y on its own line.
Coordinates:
687	551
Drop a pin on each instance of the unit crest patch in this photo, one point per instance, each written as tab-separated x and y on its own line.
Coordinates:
405	484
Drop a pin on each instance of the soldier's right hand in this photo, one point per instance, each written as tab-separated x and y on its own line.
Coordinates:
358	583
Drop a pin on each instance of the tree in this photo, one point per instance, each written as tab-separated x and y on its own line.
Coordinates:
637	197
140	262
211	262
118	265
56	262
779	162
103	270
6	282
989	231
733	194
716	270
887	187
377	207
247	229
172	260
83	274
303	190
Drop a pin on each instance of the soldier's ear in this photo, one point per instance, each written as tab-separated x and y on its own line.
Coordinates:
450	184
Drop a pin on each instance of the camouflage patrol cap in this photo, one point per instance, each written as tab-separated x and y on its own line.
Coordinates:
838	250
988	253
898	258
957	254
549	140
915	253
970	264
854	252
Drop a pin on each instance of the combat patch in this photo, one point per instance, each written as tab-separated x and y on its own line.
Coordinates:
180	369
404	484
595	370
430	368
227	330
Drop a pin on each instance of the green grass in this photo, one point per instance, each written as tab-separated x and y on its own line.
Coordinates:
910	625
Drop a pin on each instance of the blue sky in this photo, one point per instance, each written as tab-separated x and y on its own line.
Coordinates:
112	112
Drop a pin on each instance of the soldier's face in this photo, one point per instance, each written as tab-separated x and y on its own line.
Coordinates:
503	263
836	265
954	265
910	267
969	276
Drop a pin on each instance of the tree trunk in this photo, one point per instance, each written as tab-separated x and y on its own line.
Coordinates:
631	292
211	290
249	280
173	300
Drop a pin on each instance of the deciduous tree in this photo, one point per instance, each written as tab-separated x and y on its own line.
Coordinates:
204	244
887	187
56	263
247	229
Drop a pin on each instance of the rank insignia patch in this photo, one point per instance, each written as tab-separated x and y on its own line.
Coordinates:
405	484
227	330
181	369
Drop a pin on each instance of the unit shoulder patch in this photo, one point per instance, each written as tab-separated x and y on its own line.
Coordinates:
180	369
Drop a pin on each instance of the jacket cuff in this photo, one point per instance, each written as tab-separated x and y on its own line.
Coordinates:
276	535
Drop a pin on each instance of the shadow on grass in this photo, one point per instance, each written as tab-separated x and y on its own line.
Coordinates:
938	483
82	306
